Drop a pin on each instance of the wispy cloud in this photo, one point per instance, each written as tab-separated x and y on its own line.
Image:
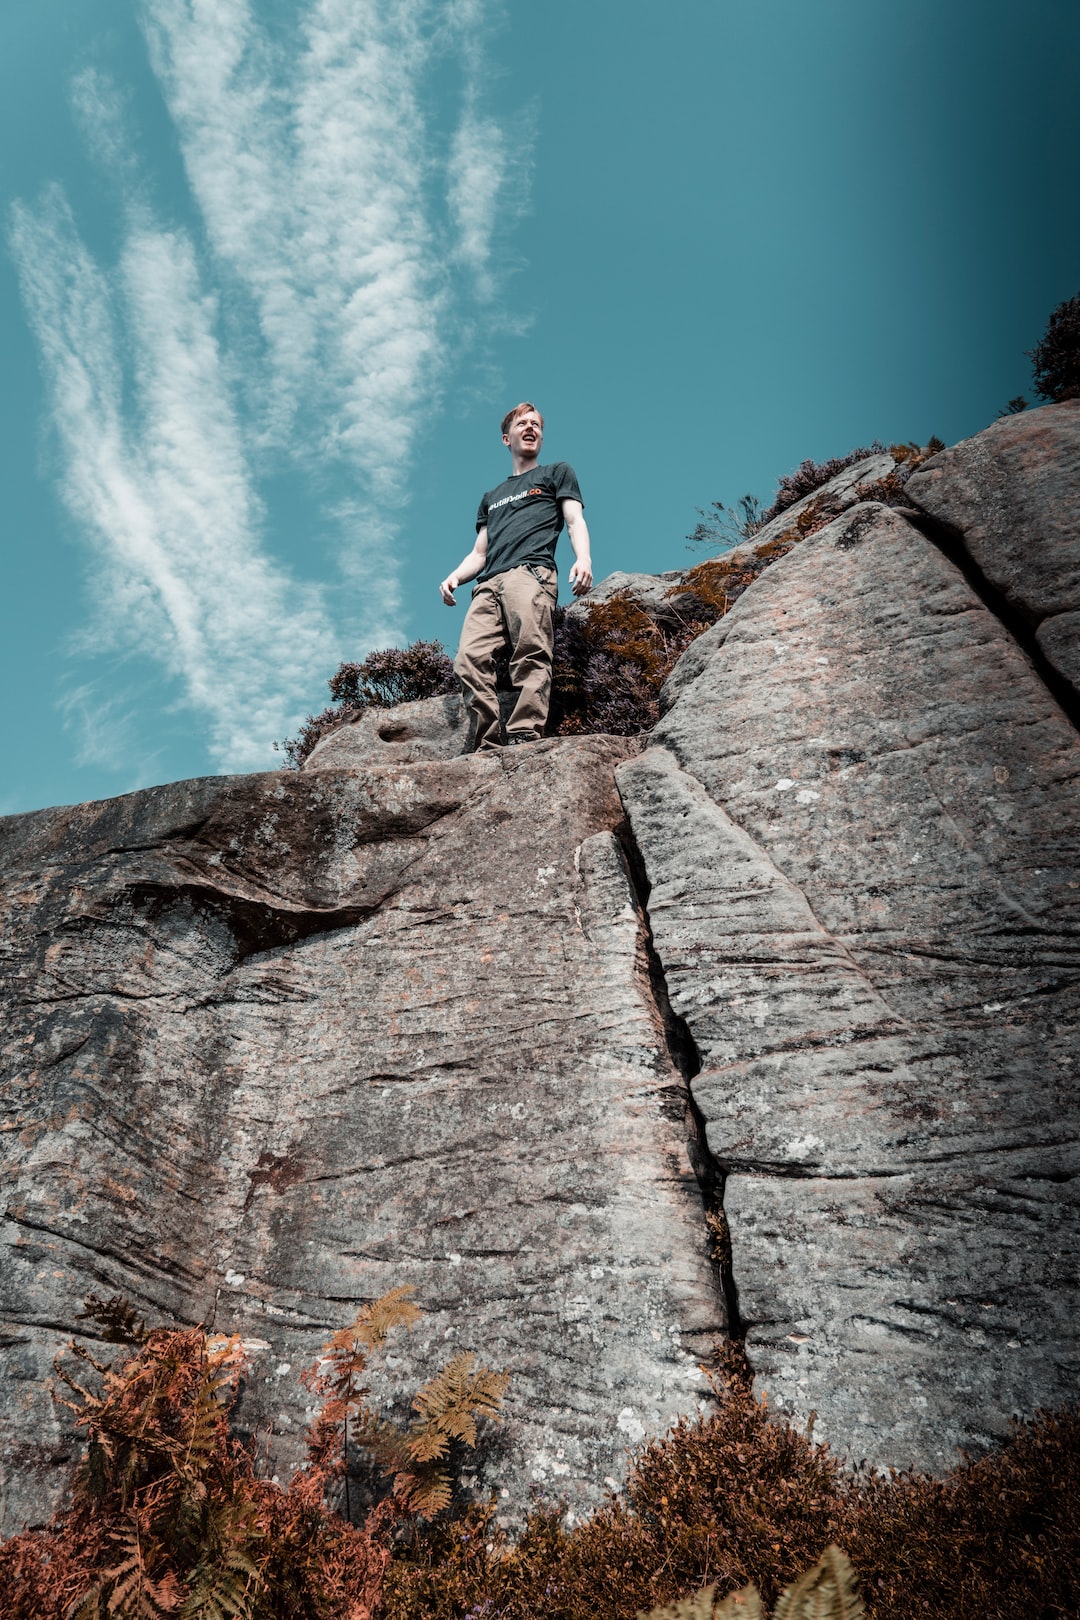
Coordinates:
308	319
477	174
167	501
100	111
101	727
326	188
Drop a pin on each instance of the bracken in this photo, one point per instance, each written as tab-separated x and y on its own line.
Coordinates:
170	1515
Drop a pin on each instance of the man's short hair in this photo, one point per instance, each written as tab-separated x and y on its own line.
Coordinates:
526	405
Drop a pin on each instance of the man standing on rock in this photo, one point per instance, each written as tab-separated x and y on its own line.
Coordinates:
513	563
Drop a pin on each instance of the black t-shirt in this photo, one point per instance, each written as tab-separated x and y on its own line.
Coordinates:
524	519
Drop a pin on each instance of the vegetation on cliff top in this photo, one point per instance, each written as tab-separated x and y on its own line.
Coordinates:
611	661
1055	359
612	658
380	681
173	1516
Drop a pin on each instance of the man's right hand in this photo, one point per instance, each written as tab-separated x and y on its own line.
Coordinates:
447	589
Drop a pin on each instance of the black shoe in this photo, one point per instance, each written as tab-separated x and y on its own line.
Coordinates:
515	738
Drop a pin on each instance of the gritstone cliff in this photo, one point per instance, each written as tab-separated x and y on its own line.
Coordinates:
504	1029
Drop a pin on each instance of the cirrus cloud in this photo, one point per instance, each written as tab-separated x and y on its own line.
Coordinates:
158	480
305	316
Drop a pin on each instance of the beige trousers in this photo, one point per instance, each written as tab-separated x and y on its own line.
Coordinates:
510	612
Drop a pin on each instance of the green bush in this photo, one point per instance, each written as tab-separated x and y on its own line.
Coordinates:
1055	358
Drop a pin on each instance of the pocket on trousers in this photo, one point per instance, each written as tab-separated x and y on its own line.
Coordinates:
547	577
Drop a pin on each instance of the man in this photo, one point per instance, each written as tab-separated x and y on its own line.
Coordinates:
513	562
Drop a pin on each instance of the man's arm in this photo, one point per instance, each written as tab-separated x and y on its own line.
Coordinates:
581	572
467	569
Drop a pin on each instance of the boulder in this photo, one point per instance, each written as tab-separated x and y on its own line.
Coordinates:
278	1043
652	590
1012	496
1059	641
432	728
858	820
835	496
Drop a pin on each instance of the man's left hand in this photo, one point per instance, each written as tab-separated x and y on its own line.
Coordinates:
581	576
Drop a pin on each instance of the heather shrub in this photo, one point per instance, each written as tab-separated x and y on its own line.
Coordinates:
810	475
1055	358
741	1498
712	587
610	663
314	729
999	1536
724	529
171	1515
379	681
396	675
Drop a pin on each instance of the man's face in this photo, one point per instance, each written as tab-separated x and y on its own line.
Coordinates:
525	435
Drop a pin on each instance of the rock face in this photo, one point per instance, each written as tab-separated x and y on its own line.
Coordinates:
1059	640
650	590
278	1043
838	494
1012	494
432	728
859	822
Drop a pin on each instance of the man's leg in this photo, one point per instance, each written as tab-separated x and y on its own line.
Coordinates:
528	602
482	636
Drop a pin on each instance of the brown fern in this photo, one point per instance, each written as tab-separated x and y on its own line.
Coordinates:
829	1591
138	1584
169	1517
744	1605
116	1317
450	1404
447	1407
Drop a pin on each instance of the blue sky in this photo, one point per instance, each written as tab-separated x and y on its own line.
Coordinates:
271	273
